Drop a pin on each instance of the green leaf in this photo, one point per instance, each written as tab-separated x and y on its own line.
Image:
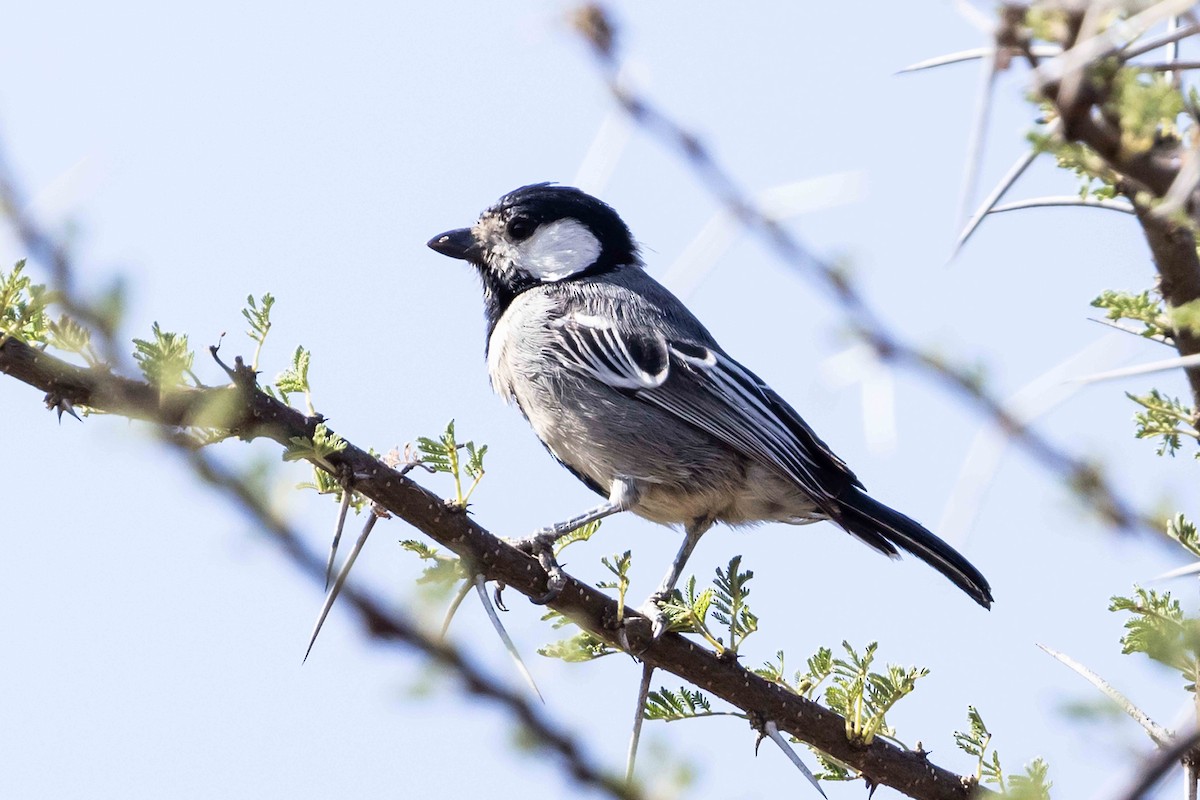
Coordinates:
69	336
442	570
975	742
1184	532
1137	307
258	315
294	380
323	444
619	567
583	646
864	697
1033	784
1148	106
580	534
729	603
1158	628
1166	418
23	307
669	706
165	358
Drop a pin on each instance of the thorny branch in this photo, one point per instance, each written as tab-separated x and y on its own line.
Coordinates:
250	414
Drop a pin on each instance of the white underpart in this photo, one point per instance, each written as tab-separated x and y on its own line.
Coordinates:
557	250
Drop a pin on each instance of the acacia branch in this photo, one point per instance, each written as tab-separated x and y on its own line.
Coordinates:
248	413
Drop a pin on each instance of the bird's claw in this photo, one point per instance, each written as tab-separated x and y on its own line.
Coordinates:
652	610
541	547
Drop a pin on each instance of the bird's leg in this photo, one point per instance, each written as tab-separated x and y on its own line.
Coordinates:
650	609
540	545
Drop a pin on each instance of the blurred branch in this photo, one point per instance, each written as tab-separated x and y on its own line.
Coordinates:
384	623
595	25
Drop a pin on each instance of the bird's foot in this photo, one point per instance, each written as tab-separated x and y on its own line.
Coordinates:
541	546
652	610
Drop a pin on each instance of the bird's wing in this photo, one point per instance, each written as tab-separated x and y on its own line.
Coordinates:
700	384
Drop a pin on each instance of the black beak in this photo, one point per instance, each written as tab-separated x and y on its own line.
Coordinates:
456	244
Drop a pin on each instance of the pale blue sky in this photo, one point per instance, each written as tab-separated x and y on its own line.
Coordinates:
152	640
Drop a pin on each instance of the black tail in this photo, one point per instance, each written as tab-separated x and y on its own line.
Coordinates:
885	529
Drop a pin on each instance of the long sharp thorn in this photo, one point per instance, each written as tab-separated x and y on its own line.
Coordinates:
1178	572
978	138
337	535
1065	200
1160	735
338	582
772	731
1041	51
1159	41
1182	362
481	587
638	717
949	58
459	596
1014	172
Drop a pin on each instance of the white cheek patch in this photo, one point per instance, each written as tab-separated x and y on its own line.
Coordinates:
557	250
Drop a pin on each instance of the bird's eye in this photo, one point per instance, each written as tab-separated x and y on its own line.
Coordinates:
520	228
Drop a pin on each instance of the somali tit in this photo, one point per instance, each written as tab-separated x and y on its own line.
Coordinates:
628	391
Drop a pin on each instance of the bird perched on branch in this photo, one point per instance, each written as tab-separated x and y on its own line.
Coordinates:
627	389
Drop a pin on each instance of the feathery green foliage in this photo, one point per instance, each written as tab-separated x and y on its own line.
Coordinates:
69	336
581	647
323	444
258	315
729	603
165	358
1143	308
442	571
1165	418
580	534
1148	106
976	741
294	380
864	697
1182	530
23	307
669	706
619	567
1158	628
441	455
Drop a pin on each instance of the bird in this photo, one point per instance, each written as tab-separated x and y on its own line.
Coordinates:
628	390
